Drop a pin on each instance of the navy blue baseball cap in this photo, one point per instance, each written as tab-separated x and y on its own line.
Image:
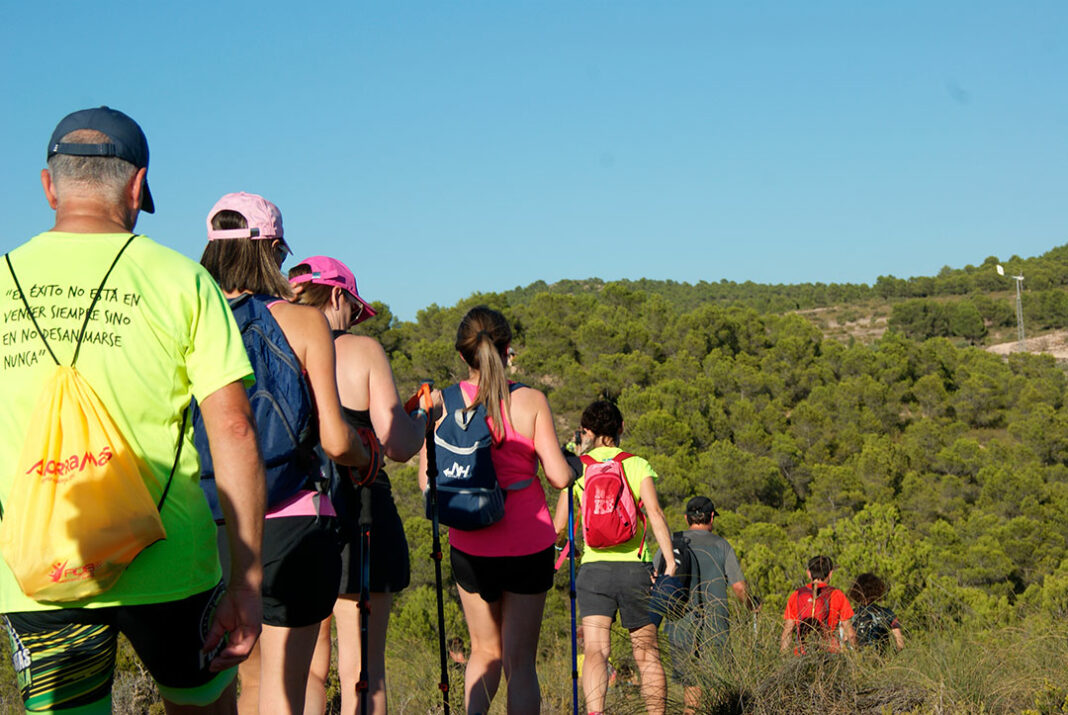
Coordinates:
128	142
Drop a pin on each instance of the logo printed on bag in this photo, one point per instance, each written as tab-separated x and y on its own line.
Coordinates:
61	574
458	472
602	505
57	572
72	463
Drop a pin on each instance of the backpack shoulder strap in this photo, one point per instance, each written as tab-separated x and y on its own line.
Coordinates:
695	573
619	459
680	536
238	300
588	460
452	398
177	457
29	311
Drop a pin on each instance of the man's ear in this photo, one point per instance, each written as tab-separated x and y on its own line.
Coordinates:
49	187
135	188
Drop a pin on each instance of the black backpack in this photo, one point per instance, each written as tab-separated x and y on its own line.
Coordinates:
873	625
687	570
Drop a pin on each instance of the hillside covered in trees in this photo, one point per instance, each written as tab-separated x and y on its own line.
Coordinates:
968	303
863	422
918	455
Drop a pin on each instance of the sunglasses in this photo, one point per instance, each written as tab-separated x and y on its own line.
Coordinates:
281	250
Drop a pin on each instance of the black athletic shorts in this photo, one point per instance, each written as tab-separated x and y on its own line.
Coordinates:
390	565
490	576
604	587
66	658
301	569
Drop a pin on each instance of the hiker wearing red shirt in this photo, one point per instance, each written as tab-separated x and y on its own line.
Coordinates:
815	613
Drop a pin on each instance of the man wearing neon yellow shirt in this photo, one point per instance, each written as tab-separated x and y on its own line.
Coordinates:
159	334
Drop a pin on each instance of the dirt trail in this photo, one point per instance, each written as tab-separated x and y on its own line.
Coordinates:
1055	344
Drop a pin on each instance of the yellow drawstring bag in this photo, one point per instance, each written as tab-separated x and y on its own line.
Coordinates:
78	511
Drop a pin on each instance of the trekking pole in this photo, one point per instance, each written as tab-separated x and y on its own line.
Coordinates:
754	608
435	549
574	637
362	687
363	496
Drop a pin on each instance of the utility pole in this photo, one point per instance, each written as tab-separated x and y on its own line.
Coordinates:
1021	341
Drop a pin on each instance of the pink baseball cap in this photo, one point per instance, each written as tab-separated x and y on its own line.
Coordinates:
263	218
332	272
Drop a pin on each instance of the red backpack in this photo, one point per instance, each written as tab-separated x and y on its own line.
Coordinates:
610	515
814	615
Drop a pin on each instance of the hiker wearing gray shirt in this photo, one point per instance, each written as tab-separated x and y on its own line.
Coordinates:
702	631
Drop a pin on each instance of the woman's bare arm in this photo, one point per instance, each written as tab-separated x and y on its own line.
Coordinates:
658	524
546	445
365	381
310	337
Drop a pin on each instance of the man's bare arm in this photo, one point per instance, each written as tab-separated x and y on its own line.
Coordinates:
850	633
787	634
741	592
241	484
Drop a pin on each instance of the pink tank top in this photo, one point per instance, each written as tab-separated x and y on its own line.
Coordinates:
527	527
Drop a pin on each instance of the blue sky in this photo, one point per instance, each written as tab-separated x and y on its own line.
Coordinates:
443	148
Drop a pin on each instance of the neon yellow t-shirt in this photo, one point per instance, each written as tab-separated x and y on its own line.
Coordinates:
160	334
636	470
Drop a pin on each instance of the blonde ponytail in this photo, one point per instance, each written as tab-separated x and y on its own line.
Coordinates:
482	339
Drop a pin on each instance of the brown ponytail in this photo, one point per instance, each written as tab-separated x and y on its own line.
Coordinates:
482	339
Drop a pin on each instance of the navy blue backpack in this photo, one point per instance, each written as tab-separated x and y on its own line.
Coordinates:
469	495
281	406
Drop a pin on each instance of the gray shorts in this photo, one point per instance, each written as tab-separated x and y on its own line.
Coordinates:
604	587
690	649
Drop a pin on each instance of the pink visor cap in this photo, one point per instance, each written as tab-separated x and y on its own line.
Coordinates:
263	218
332	272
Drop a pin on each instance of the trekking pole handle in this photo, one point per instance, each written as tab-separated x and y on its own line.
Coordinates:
422	402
